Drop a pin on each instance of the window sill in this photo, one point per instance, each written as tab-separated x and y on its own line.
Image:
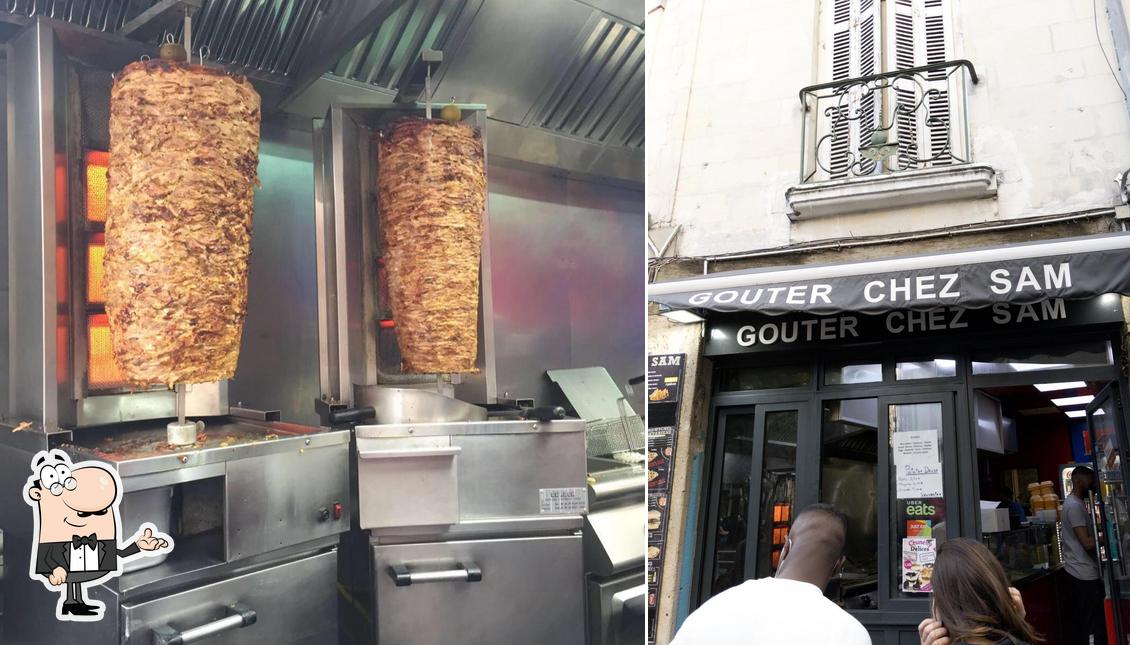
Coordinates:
894	190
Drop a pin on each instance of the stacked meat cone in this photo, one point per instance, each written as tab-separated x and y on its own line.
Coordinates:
184	148
432	195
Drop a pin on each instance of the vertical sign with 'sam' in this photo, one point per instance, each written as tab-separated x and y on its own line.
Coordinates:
664	381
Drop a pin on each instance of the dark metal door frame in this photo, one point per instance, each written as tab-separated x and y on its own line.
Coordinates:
740	404
887	511
757	463
1113	392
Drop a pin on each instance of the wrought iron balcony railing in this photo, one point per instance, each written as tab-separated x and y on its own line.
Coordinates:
884	123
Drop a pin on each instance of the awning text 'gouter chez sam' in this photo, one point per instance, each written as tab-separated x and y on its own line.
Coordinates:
1071	268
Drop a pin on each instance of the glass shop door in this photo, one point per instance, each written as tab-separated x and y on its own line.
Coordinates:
917	430
755	484
1106	425
773	484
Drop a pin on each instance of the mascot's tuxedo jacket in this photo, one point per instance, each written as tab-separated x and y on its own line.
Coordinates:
58	554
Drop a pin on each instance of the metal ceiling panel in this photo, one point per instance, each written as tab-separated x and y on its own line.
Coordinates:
631	11
260	35
382	58
346	24
264	35
510	52
103	15
600	95
580	73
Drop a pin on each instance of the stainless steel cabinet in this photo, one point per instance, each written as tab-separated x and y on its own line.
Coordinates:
502	592
294	603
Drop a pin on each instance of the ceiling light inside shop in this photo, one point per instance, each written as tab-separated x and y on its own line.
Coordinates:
1052	387
1076	414
682	316
1074	400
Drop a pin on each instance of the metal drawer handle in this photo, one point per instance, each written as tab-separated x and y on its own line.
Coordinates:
446	451
239	615
461	573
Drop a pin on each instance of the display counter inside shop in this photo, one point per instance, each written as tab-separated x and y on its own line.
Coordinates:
1032	560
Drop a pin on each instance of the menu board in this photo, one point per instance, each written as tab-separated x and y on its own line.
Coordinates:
664	380
918	468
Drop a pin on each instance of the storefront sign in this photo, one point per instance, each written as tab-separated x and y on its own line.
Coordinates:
748	333
664	380
1075	269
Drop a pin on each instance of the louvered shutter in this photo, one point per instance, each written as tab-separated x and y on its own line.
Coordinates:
921	35
852	27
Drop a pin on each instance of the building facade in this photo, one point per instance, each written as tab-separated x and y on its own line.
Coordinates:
913	152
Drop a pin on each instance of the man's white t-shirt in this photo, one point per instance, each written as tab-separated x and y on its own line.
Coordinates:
770	611
1078	562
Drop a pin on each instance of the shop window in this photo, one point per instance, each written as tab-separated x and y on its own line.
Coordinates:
733	504
937	368
778	488
916	490
847	374
1115	538
763	377
848	464
1087	354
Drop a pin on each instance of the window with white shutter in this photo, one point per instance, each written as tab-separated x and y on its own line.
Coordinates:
920	108
867	37
853	29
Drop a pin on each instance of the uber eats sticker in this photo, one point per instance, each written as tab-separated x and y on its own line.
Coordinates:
77	528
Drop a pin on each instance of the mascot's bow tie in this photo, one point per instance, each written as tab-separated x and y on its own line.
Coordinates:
90	541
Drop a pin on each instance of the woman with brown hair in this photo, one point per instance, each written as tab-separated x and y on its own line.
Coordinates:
972	602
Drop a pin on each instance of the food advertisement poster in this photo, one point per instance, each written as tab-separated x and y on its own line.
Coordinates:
664	380
921	524
918	554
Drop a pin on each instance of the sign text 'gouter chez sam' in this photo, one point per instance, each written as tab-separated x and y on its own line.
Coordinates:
897	290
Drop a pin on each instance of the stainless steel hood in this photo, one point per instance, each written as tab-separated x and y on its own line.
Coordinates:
563	78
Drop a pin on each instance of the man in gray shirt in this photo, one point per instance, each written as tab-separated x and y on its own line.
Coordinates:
1084	586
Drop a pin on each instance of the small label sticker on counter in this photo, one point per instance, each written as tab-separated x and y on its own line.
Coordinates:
563	501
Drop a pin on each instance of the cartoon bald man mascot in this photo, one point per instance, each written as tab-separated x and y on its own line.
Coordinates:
77	525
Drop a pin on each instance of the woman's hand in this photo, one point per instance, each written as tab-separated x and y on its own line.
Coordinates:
1017	600
931	632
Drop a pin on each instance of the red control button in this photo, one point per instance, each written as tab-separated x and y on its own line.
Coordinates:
337	510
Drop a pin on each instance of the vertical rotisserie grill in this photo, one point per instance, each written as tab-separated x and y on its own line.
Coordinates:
184	151
432	193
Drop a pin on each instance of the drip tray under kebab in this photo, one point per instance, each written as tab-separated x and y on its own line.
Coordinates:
142	447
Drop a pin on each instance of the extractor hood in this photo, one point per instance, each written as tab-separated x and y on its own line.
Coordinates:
563	79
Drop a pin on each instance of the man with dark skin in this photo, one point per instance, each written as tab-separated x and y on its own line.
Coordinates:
1084	595
789	607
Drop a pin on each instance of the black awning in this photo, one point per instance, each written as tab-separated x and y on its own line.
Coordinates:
1071	268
